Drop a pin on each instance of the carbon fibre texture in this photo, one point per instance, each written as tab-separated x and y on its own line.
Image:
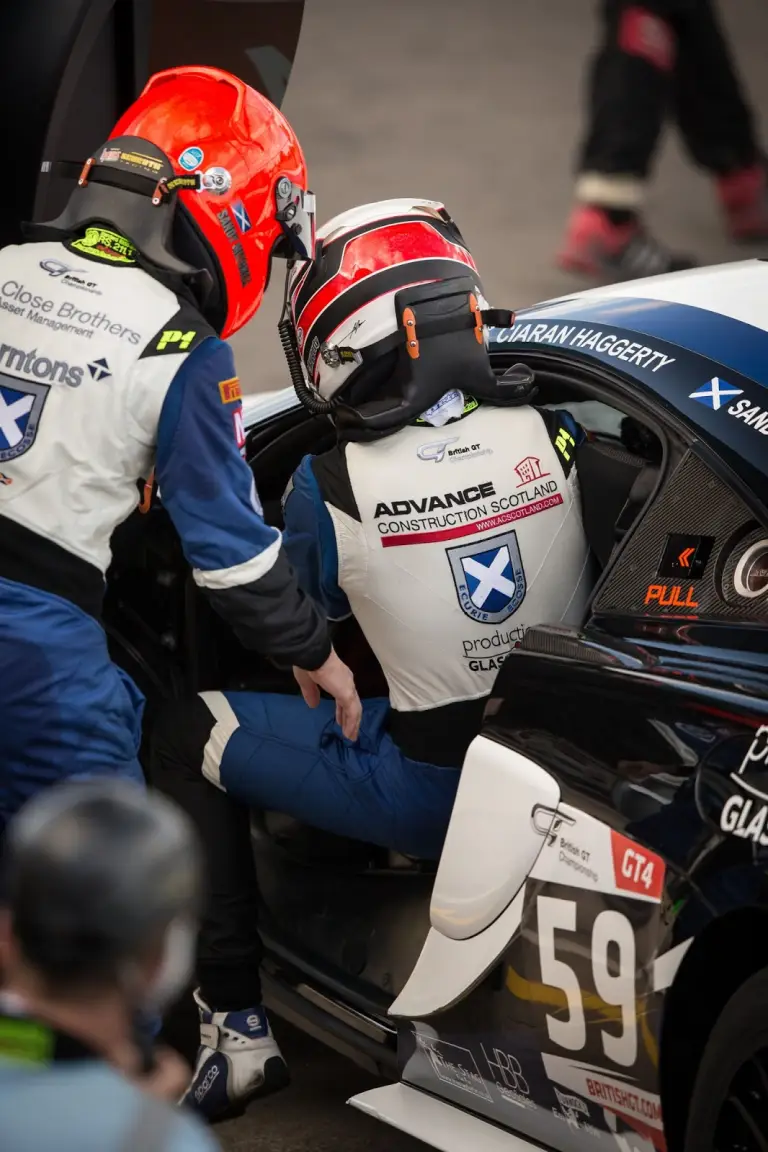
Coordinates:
697	502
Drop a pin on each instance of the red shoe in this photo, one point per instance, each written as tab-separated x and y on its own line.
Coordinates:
743	197
597	247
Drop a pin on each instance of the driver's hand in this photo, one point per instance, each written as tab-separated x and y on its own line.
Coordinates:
335	678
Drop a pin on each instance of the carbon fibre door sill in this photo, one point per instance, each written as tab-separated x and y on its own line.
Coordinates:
436	1122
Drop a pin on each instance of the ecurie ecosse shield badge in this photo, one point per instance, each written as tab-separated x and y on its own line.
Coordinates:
489	577
21	404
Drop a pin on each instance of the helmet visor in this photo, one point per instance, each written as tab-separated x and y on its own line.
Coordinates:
296	214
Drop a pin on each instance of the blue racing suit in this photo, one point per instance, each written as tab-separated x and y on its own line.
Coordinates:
98	385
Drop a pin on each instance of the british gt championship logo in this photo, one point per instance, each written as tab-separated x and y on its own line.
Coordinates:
489	577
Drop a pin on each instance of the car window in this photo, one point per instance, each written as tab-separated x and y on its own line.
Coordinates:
595	416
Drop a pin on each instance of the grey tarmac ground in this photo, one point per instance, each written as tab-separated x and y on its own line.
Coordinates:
476	104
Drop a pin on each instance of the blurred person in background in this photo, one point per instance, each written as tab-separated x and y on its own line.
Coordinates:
101	893
433	521
660	58
113	362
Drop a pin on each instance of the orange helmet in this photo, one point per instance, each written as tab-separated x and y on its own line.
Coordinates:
251	201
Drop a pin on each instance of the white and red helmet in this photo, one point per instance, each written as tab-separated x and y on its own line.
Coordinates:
343	305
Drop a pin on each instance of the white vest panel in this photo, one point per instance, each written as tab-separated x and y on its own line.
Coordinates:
78	407
468	535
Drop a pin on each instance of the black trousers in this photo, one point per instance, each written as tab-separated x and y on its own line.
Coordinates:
229	947
661	58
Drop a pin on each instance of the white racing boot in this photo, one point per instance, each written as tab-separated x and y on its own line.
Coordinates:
238	1060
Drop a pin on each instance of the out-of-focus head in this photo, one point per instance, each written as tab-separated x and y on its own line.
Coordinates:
102	884
235	188
389	315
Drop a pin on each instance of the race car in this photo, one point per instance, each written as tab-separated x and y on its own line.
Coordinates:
587	966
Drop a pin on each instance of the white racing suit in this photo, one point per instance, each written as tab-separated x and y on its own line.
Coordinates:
106	373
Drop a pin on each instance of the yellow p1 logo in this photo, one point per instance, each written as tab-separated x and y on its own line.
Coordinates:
173	336
564	442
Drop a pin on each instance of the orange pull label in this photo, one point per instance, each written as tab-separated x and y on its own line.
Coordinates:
670	596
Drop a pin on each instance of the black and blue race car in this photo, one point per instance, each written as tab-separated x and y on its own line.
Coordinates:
588	965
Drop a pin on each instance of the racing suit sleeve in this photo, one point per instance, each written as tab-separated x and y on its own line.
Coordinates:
310	542
210	494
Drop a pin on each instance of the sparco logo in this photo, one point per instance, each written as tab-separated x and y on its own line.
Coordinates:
41	367
204	1088
430	503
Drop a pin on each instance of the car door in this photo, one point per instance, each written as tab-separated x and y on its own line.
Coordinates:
605	768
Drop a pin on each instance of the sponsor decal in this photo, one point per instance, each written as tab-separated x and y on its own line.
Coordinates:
453	1065
109	155
431	503
99	369
449	400
21	406
742	816
573	1110
565	443
507	1074
206	1084
488	653
470	452
718	394
227	224
756	758
548	822
61	315
149	164
217	181
685	555
16	360
72	277
241	216
752	414
103	244
583	852
715	393
239	427
230	390
670	596
607	1089
436	450
174	340
314	348
191	158
750	578
334	356
5	480
529	469
242	264
489	577
635	869
609	344
469	518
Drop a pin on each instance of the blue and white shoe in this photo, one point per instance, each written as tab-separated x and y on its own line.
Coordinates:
238	1060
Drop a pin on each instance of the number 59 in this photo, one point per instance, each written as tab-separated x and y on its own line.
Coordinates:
616	990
